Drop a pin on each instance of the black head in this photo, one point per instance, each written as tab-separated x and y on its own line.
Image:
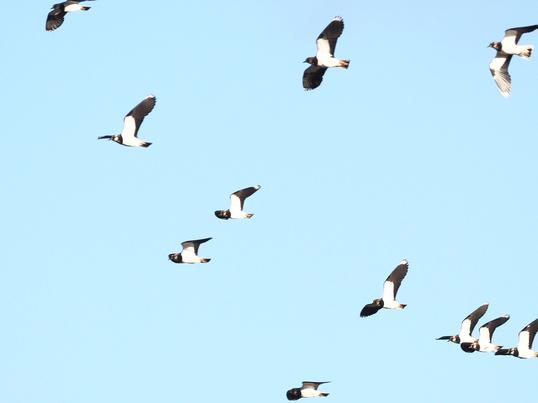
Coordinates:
453	339
470	347
175	257
311	60
223	214
496	45
508	351
116	138
294	394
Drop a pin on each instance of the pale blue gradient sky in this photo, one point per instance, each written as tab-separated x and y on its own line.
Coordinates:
410	153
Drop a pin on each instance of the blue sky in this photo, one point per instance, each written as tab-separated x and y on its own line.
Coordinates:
411	153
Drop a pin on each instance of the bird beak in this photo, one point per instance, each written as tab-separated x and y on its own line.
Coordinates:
447	338
104	138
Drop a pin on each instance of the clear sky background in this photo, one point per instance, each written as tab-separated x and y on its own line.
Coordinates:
411	153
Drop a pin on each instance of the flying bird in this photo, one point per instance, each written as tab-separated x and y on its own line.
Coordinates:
55	18
131	124
309	389
507	48
189	254
326	44
524	345
486	331
467	326
237	201
390	289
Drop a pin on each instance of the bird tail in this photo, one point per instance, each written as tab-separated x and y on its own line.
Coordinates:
324	394
527	52
205	260
402	306
250	215
344	64
85	8
145	144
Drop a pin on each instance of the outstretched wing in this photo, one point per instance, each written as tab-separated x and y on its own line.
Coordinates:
394	280
313	76
468	324
513	35
312	385
193	245
55	19
136	116
526	335
499	70
326	42
237	199
487	329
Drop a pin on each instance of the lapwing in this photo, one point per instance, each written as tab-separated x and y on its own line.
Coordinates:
390	289
309	389
507	48
524	345
131	124
56	16
326	44
486	331
467	326
237	201
189	254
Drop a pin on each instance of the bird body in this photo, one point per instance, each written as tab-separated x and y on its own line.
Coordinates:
484	343
390	289
55	18
309	389
468	324
324	59
131	124
189	254
507	48
524	345
237	201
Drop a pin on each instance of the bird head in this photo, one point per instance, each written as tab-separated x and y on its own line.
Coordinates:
378	302
175	257
311	60
293	394
453	339
495	45
507	351
470	347
115	138
222	214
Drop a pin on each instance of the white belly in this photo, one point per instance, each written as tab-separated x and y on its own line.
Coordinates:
310	393
237	214
328	61
73	7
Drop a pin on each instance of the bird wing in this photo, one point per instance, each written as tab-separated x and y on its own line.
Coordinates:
499	70
313	76
311	385
136	116
55	19
369	310
191	247
326	42
394	280
513	35
487	329
237	199
526	336
469	323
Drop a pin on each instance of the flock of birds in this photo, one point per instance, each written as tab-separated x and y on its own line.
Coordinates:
312	78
